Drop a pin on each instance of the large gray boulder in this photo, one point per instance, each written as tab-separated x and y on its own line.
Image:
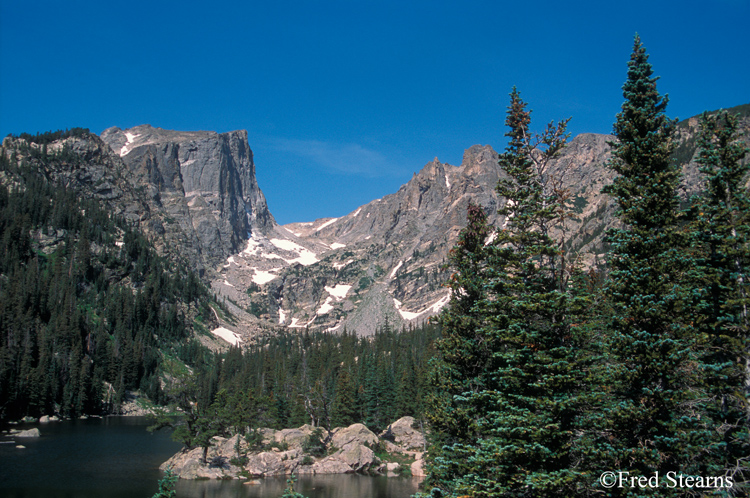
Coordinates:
28	433
188	464
417	467
294	438
267	463
356	433
328	465
405	435
357	456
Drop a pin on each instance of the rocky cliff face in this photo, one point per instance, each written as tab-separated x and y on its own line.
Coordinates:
201	185
382	262
90	167
385	260
193	193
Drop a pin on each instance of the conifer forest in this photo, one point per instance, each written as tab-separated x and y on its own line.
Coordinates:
541	378
554	380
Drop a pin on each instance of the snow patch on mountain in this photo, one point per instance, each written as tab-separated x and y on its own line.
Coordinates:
406	315
129	145
433	308
393	273
326	307
253	247
321	227
306	256
339	292
261	277
226	334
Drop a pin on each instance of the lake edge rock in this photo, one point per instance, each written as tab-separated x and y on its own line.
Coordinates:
351	449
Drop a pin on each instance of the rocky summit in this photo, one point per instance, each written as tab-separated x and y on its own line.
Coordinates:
202	185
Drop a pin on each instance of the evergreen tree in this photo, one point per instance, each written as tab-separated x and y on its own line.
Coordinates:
521	403
167	485
720	232
462	354
647	422
345	401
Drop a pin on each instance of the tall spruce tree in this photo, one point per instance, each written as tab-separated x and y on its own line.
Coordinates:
522	378
720	232
648	421
462	355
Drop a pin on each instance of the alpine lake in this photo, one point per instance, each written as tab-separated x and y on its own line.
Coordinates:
116	457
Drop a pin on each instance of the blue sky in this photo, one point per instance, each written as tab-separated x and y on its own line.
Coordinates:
344	100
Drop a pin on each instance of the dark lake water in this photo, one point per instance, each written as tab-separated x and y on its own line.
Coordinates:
116	457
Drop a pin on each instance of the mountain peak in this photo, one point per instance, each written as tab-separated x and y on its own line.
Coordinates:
203	182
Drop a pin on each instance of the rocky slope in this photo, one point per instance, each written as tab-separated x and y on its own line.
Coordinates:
384	262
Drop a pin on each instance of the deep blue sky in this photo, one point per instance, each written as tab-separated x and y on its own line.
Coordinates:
344	100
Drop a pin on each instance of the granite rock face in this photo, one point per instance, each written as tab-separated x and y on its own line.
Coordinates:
382	262
202	183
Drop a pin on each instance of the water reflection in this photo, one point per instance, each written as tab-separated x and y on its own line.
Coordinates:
117	458
326	486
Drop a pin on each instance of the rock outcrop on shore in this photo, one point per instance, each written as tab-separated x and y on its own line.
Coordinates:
350	449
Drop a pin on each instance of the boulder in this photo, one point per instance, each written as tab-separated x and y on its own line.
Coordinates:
405	435
227	446
356	433
392	468
417	468
267	463
28	433
294	438
188	464
328	465
357	456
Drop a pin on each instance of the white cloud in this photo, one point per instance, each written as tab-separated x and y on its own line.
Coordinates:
348	158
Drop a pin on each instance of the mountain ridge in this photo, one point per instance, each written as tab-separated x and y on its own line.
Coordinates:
196	195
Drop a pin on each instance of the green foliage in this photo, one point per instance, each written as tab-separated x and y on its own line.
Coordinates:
314	443
290	492
88	307
719	232
647	423
167	485
546	377
52	136
509	375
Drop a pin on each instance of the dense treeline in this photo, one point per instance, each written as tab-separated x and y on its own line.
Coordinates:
48	137
630	381
85	301
327	380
